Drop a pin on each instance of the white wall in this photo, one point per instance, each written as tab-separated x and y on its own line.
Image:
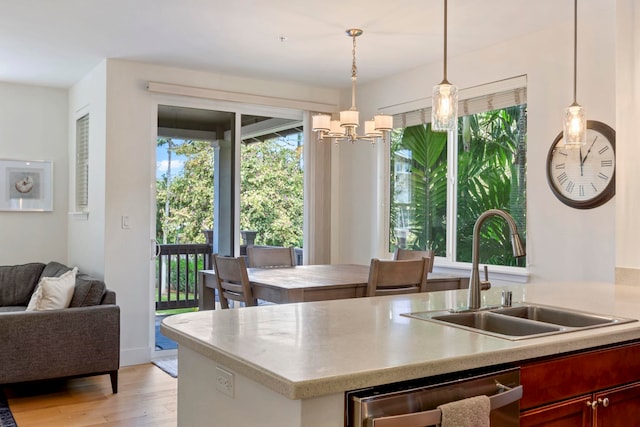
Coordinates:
86	233
33	126
562	243
627	147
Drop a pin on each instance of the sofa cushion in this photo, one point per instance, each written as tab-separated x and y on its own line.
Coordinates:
53	293
17	283
89	291
54	269
12	308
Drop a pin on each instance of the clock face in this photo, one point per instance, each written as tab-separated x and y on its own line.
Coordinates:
583	176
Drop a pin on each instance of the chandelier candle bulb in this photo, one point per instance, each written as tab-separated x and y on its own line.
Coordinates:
349	118
382	122
335	129
321	122
370	129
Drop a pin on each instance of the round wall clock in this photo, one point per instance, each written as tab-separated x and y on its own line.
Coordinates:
583	177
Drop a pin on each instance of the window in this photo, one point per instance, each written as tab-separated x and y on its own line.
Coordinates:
82	163
441	182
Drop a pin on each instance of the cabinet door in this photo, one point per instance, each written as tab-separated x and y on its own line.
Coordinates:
568	413
567	377
618	407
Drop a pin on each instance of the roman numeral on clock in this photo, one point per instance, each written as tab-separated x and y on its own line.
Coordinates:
570	186
562	178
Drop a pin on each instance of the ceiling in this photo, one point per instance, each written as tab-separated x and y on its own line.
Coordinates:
56	43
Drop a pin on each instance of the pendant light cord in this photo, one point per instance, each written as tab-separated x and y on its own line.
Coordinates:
575	51
444	80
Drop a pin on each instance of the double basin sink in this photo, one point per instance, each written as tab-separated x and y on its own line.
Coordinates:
520	321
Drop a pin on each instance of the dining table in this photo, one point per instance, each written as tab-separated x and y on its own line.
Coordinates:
303	283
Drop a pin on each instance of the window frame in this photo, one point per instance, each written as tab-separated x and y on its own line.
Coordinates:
81	163
422	107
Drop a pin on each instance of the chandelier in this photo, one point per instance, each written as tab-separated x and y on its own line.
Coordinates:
345	129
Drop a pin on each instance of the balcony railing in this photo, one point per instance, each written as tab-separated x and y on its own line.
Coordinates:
177	269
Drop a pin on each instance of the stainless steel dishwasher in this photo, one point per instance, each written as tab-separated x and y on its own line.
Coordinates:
414	403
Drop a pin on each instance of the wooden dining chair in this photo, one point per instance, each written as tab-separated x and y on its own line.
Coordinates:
401	254
232	281
271	257
394	277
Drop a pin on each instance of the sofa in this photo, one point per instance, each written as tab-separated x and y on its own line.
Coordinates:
43	343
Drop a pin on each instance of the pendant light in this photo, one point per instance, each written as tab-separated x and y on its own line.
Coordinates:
444	111
575	121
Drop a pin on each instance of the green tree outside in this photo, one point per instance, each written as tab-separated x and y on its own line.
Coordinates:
271	193
189	195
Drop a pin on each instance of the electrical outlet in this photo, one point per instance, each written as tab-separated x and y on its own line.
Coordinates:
224	381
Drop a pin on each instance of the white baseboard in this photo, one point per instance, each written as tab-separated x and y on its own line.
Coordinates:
135	356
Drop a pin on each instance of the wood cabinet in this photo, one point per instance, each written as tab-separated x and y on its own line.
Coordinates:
570	413
593	388
618	407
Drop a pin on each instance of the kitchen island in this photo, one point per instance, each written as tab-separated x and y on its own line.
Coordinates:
290	364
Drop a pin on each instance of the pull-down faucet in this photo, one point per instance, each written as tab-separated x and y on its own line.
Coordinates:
475	285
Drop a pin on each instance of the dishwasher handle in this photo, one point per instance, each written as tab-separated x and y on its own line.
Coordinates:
434	416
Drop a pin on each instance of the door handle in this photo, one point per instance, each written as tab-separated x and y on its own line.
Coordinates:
156	249
434	416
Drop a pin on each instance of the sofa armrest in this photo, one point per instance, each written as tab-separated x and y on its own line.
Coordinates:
59	343
109	297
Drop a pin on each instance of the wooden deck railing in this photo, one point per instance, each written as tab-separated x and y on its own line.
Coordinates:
177	269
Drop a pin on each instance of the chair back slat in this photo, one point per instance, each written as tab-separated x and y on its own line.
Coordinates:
271	257
232	281
402	254
394	277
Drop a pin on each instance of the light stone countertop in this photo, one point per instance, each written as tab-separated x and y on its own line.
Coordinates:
305	350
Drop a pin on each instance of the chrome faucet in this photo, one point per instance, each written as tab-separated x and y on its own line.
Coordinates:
475	285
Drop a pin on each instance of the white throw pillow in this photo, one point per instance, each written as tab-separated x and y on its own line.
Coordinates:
53	293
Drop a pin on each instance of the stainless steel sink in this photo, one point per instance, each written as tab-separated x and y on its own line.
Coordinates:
488	321
521	321
558	316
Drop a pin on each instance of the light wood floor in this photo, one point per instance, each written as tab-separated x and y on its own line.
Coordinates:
146	396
